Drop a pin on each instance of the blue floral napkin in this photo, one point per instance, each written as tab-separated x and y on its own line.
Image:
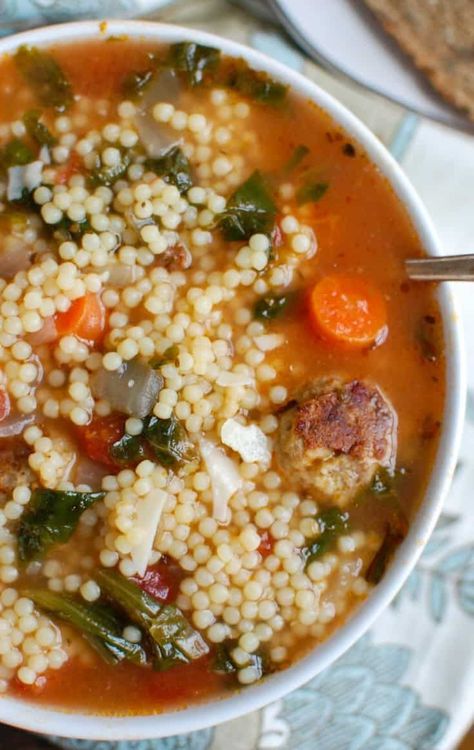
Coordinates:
408	684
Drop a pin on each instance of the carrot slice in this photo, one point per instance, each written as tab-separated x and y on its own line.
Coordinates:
349	311
85	318
4	404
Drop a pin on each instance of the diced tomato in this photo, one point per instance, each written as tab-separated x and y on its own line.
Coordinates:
161	580
4	404
266	545
73	166
84	319
98	436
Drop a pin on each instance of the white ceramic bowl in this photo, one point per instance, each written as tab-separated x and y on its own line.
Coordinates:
85	726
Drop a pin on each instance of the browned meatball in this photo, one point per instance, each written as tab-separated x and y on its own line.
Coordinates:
336	435
14	467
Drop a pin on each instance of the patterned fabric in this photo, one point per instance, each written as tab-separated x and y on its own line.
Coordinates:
408	685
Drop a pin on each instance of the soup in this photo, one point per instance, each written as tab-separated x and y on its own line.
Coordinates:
219	395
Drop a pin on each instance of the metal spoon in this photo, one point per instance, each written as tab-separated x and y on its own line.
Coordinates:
447	268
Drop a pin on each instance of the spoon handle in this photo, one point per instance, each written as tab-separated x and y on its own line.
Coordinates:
447	268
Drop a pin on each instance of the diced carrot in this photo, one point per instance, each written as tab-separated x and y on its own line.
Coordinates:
4	404
98	437
349	311
85	318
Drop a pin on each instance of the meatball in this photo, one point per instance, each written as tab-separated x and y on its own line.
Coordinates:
332	438
14	467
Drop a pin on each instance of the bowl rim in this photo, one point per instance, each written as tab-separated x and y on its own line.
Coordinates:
38	718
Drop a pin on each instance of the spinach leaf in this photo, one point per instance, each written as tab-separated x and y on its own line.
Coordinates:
135	83
43	74
103	175
16	153
270	307
392	539
172	638
38	130
51	518
311	192
169	441
98	623
194	60
249	210
256	84
295	159
68	229
128	450
169	355
174	167
224	663
332	523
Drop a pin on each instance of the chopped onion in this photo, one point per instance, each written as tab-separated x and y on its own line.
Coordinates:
14	424
121	275
46	334
247	440
27	176
14	256
228	379
131	389
44	154
224	475
148	514
156	137
269	341
89	472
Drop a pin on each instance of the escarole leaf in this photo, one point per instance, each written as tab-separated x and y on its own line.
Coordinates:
270	306
193	60
311	192
98	623
169	441
104	175
392	539
225	664
129	450
174	167
332	523
250	210
15	153
51	518
38	130
172	638
299	153
43	74
256	84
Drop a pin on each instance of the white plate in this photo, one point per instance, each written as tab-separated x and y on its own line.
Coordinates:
343	35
